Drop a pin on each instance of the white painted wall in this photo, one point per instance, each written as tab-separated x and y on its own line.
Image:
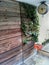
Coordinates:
33	2
44	27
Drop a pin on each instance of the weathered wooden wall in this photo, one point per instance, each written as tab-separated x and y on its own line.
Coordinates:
10	33
10	26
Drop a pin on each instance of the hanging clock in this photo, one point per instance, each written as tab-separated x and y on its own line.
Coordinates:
42	8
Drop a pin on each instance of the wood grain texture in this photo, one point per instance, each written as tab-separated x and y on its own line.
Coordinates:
16	53
11	34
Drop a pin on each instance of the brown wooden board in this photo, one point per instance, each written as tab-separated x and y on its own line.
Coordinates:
26	51
11	34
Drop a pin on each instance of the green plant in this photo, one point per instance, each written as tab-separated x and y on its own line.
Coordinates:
23	26
32	26
25	41
45	42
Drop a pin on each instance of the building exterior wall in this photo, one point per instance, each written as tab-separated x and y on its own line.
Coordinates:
44	27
